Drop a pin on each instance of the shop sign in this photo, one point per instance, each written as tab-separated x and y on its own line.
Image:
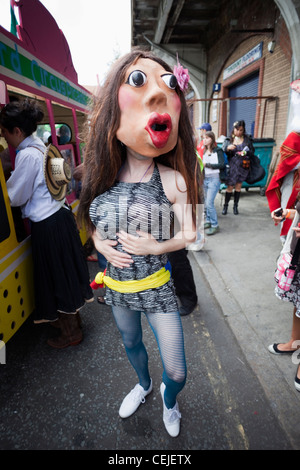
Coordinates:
247	59
18	64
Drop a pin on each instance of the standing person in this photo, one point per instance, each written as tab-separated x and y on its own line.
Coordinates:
206	127
61	278
284	185
238	148
213	161
293	295
139	133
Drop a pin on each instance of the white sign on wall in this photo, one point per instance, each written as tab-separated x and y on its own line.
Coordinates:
247	59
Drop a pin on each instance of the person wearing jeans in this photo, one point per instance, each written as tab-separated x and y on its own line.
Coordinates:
211	188
213	161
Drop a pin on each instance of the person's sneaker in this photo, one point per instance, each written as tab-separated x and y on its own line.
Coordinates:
212	230
133	400
207	225
171	417
196	246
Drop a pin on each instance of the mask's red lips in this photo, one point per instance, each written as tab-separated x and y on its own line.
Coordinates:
159	127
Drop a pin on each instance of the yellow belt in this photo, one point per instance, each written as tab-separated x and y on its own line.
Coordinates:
157	279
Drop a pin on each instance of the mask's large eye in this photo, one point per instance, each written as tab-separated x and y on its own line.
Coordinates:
137	78
170	80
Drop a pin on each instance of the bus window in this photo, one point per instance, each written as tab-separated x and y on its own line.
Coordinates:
63	132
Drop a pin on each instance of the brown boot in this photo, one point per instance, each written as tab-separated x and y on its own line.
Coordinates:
55	323
71	333
78	319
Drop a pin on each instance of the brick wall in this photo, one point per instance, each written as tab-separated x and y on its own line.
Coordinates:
275	72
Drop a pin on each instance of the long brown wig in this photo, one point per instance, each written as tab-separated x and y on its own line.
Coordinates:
104	153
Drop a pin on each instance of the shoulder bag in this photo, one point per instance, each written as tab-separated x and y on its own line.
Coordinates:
256	172
286	268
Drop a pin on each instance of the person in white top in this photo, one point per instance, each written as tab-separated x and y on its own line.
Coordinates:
61	277
213	161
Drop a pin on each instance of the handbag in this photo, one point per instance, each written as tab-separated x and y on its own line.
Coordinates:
286	268
256	172
224	174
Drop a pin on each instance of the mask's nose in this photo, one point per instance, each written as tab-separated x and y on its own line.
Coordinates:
155	95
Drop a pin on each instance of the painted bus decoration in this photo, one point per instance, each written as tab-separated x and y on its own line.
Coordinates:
34	62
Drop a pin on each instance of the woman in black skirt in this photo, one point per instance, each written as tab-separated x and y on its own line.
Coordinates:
61	277
238	148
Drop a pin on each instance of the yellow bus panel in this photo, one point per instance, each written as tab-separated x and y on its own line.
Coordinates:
16	289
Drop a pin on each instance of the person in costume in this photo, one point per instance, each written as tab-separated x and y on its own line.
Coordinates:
293	295
284	191
285	183
61	277
141	172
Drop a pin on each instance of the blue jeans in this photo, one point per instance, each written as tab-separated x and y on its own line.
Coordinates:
211	188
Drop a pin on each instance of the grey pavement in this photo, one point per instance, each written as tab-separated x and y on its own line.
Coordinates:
239	263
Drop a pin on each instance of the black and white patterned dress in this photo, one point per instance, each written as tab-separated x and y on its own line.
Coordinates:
131	207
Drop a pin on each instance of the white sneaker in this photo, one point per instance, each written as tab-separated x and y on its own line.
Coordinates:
171	417
196	246
133	400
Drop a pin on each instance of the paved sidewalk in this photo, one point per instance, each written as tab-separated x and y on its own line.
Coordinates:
239	263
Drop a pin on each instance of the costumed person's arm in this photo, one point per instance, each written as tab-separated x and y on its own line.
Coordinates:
289	159
286	214
297	232
107	249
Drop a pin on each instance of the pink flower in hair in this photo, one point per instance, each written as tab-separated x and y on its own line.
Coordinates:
182	75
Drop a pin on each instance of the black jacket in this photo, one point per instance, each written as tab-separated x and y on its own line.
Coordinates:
221	162
247	142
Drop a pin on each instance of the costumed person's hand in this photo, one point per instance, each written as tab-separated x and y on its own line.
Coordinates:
286	214
297	230
231	147
278	219
107	249
141	244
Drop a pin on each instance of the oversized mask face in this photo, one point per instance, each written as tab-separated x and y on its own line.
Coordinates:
150	109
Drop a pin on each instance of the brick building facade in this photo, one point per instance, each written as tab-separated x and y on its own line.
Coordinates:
215	40
273	70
